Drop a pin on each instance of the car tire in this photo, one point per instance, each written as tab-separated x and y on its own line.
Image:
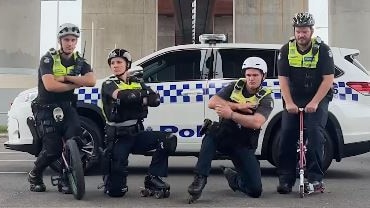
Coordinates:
92	138
328	150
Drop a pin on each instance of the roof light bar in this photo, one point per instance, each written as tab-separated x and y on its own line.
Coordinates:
212	38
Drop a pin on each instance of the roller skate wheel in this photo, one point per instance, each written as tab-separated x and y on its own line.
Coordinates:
144	193
167	194
158	194
191	199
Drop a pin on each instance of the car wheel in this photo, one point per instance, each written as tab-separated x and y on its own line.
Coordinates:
328	150
92	139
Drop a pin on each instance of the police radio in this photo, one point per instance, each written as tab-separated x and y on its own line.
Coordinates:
79	63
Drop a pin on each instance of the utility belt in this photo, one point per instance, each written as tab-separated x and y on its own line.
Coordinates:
114	131
226	129
36	105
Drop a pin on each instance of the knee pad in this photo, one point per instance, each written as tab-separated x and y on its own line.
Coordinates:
170	143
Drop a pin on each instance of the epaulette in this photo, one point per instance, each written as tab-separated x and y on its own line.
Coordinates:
292	38
52	51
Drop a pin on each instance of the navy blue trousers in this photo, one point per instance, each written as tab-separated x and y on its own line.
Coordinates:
314	124
243	158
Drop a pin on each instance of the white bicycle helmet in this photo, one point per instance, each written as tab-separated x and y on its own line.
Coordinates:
68	29
254	63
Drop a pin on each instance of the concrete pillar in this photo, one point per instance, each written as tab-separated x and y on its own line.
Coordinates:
166	31
129	24
223	25
20	45
348	26
265	21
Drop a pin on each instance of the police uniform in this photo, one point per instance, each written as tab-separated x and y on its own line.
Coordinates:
49	130
125	133
238	142
305	71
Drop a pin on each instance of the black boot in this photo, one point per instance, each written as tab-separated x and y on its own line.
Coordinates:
155	182
284	188
64	185
114	188
36	182
197	186
231	177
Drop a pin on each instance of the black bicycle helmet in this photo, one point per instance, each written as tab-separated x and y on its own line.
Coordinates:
120	53
303	19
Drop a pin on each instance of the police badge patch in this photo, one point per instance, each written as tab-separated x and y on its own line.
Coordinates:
46	60
330	53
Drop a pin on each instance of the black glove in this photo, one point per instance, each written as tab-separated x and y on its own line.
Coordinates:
154	99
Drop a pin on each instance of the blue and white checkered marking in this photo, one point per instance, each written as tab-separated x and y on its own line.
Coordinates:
88	94
172	93
344	92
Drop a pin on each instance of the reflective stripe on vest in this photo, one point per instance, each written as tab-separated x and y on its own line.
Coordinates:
238	96
131	86
296	59
58	68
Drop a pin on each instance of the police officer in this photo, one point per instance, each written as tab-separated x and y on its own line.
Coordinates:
243	107
60	72
306	75
125	104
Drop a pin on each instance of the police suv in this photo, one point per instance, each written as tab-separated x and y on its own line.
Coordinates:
186	76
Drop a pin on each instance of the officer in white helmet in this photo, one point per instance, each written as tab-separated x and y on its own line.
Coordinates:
243	107
60	73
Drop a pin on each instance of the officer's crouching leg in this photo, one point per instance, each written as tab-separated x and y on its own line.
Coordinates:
170	143
115	182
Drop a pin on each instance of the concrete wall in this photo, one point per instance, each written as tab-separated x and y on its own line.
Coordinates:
265	21
223	25
20	45
349	26
166	31
129	24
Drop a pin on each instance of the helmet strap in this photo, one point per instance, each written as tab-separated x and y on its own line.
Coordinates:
119	75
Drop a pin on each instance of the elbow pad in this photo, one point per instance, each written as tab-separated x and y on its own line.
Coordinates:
129	97
153	100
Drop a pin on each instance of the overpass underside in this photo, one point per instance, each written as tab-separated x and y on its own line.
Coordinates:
204	16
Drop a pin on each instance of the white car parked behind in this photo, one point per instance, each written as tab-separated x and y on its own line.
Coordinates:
186	76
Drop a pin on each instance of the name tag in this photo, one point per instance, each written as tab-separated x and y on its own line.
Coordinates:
308	58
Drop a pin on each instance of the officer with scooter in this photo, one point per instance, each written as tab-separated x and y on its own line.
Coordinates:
125	105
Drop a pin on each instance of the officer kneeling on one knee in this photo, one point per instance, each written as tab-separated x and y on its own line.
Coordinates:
243	107
125	105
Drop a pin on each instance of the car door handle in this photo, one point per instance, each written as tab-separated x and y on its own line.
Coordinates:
192	92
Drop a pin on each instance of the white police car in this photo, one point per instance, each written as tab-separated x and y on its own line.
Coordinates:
186	76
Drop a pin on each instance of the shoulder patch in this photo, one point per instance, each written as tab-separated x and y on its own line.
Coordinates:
330	53
46	60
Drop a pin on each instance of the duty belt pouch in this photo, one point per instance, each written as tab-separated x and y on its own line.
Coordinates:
127	130
110	134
